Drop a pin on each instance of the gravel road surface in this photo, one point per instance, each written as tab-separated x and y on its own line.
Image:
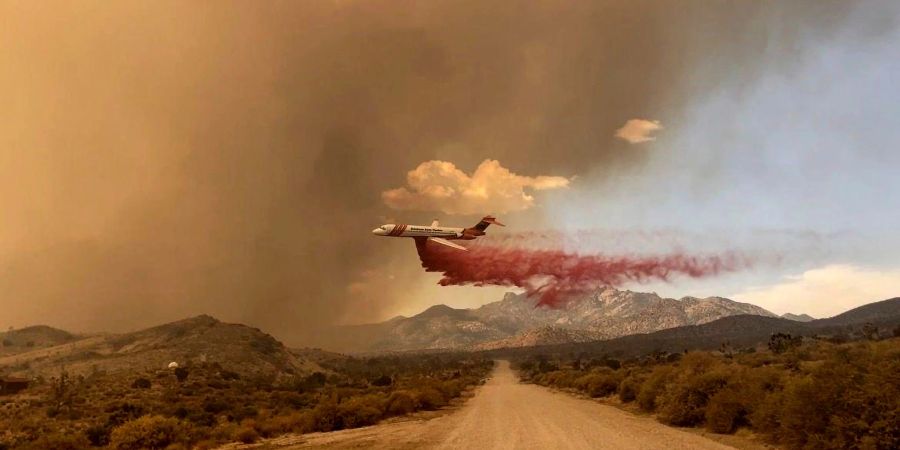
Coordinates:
505	414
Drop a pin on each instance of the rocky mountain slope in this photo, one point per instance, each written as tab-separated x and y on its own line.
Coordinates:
739	331
236	347
515	320
546	335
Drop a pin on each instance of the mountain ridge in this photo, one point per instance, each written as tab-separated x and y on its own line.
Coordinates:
737	331
516	319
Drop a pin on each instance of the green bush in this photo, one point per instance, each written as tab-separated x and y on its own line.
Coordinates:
149	432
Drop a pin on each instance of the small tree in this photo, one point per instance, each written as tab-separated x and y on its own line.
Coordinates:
782	342
181	373
727	349
383	380
870	331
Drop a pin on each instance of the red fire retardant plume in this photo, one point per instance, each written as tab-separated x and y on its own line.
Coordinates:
555	275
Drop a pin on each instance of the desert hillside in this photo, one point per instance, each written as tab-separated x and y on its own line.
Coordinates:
201	339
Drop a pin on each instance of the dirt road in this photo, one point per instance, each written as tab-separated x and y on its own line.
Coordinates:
505	414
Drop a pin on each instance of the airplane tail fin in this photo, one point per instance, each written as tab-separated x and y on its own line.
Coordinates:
487	221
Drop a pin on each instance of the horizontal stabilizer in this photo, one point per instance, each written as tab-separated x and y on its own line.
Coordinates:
486	222
447	243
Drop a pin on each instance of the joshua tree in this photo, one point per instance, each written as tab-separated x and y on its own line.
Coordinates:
62	392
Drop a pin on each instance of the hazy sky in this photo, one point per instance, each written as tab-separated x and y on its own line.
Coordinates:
166	159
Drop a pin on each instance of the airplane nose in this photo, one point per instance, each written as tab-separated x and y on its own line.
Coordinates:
378	232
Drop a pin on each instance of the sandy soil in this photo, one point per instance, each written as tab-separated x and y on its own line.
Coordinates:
505	414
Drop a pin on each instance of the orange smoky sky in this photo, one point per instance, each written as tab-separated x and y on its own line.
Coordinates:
164	159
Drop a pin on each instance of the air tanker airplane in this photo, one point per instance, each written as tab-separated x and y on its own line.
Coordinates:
435	233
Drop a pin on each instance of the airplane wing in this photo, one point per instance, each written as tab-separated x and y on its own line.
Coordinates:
447	243
435	223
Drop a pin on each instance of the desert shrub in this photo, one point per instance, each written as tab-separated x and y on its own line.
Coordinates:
238	414
98	434
60	441
851	396
149	432
223	432
120	413
325	417
698	377
201	418
313	381
215	405
766	416
295	422
246	434
600	383
363	410
429	398
727	409
357	414
228	375
181	373
383	380
293	399
400	403
450	388
653	387
141	383
629	387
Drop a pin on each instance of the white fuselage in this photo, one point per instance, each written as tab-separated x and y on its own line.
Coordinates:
414	231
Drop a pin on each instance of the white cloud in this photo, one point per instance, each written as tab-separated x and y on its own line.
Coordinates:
492	188
826	291
636	131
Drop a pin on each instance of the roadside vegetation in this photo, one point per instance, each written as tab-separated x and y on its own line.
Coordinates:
205	405
799	393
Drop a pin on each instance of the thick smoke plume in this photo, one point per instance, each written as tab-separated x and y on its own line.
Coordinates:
553	276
